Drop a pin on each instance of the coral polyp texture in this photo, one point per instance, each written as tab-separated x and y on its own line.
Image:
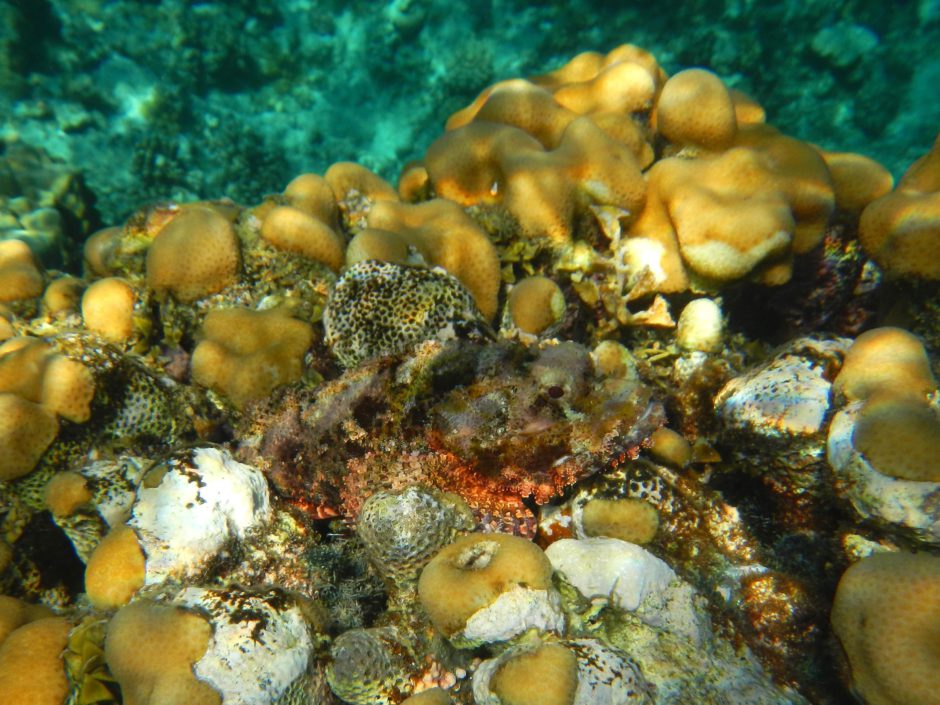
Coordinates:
596	406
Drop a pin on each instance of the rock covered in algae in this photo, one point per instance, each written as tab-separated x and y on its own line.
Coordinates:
381	308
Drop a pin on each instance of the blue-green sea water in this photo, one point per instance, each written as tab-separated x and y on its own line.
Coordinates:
182	99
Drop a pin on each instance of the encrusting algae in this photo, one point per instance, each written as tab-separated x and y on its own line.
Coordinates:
596	406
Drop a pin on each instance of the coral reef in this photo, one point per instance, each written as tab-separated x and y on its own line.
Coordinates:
595	406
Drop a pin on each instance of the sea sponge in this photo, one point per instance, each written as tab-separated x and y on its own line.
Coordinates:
32	671
151	649
20	277
885	359
447	237
546	675
535	303
885	614
26	431
312	194
65	493
294	230
245	354
695	109
857	180
194	255
108	309
489	587
62	295
900	436
116	569
901	230
632	520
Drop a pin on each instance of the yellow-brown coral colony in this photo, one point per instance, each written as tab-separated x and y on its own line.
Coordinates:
298	451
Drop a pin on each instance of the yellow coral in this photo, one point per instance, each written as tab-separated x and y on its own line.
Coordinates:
901	230
194	255
900	436
888	360
312	194
62	295
116	569
108	309
535	303
725	215
245	354
857	180
151	650
695	109
32	671
20	277
473	571
26	431
294	230
632	520
546	675
65	493
886	614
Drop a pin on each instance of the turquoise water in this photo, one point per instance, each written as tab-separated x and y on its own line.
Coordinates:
208	99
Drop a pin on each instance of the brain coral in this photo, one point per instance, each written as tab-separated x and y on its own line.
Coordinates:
382	308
